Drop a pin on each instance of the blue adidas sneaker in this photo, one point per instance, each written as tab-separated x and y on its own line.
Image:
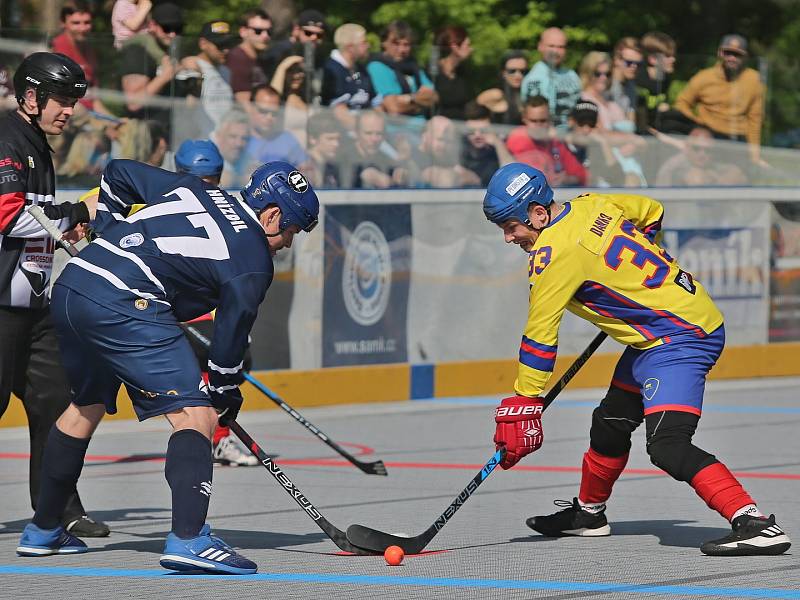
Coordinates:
206	553
36	541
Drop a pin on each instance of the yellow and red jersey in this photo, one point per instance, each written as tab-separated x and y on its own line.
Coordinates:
598	259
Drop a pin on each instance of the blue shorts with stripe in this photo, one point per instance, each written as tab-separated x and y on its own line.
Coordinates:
103	349
671	376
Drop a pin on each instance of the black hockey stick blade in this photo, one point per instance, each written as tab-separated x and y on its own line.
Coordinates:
336	535
378	541
370	468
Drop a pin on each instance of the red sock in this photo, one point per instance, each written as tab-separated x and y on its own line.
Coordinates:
717	486
599	474
219	433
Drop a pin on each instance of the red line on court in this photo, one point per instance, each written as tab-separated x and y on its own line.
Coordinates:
330	462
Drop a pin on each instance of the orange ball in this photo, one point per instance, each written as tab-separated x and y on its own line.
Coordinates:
394	555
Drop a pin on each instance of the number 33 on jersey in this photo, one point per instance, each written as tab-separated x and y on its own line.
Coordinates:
598	259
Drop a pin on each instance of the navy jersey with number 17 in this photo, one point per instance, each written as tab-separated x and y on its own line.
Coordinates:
171	248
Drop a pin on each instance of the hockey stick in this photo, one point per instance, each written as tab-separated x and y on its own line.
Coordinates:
334	533
370	468
337	535
378	541
37	213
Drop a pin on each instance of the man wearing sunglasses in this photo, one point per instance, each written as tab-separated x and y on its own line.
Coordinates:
146	67
308	29
627	60
255	28
728	98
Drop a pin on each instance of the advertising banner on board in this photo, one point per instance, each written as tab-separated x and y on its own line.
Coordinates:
367	255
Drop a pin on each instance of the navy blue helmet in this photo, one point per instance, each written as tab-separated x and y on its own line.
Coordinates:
282	184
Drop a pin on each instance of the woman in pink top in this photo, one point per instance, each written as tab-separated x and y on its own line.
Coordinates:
128	17
595	73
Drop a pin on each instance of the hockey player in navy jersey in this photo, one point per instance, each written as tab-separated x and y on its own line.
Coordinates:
189	249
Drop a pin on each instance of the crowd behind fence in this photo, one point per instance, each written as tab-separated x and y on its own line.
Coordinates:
368	143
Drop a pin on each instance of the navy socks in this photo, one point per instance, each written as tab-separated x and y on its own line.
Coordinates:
61	467
188	471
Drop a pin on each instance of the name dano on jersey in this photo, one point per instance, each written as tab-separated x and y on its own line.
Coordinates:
600	224
227	210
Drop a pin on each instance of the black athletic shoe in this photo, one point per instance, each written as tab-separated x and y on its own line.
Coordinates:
85	526
573	520
751	536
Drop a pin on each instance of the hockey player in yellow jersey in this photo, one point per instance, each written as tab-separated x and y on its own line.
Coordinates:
598	257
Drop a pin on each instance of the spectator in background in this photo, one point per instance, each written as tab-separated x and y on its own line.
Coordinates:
727	98
231	136
8	100
436	159
453	88
290	82
346	85
73	41
307	28
505	102
561	87
255	27
128	18
627	59
595	72
216	96
535	144
269	140
482	151
592	149
653	81
143	140
146	68
364	164
324	137
694	164
406	89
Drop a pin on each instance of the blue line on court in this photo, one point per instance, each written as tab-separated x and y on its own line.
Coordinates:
436	582
492	400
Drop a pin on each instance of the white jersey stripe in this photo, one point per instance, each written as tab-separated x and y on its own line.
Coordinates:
132	257
103	208
113	279
39	198
223	388
225	370
107	189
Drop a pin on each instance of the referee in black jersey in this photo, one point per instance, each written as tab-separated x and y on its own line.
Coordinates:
47	86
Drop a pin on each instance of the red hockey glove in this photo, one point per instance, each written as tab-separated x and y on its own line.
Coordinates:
519	428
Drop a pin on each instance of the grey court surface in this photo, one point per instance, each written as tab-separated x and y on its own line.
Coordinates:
432	449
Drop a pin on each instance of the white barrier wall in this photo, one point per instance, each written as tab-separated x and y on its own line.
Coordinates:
420	276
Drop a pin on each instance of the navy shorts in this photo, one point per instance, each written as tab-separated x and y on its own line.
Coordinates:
102	349
671	376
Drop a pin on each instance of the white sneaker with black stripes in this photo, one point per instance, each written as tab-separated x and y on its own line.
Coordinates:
751	536
229	452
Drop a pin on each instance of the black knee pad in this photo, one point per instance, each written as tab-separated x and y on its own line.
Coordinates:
613	422
669	444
